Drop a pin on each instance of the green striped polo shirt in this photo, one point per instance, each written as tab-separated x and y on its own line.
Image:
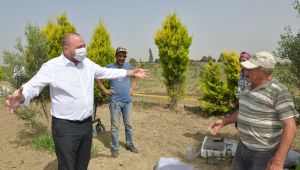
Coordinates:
260	112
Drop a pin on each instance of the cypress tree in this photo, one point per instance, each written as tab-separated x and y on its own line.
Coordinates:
214	90
101	52
55	31
173	42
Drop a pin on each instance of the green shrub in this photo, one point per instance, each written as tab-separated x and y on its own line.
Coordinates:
215	91
44	142
297	167
6	73
26	114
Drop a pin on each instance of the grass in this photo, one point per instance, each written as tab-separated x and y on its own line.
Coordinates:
94	149
44	142
155	83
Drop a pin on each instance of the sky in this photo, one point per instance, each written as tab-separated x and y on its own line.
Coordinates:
215	25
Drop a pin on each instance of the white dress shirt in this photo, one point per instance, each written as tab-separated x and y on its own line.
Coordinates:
71	87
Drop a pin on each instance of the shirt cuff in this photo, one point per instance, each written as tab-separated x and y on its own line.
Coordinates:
26	98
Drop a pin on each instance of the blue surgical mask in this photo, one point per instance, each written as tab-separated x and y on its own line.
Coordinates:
80	54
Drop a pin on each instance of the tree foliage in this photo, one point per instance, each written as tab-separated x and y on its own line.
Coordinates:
173	42
215	90
209	58
220	59
36	50
150	56
297	6
14	60
204	59
99	49
133	61
37	54
283	74
31	57
232	71
289	48
55	32
1	74
101	52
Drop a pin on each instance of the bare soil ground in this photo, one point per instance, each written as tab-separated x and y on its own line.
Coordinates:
158	132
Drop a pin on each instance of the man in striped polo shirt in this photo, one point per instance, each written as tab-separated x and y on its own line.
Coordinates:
266	118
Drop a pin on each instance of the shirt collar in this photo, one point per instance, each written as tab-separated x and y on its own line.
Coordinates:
66	61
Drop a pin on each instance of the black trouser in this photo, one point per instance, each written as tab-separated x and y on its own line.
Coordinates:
73	140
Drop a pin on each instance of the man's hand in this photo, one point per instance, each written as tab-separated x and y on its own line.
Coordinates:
138	72
109	91
216	126
15	99
275	164
131	92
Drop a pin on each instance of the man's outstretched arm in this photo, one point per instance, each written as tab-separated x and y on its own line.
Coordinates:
138	72
15	99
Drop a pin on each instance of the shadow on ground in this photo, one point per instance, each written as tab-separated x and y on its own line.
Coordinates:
26	134
105	138
51	165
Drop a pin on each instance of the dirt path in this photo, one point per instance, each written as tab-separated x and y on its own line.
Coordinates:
158	132
15	150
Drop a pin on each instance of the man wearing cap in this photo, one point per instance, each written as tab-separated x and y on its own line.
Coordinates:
265	119
120	103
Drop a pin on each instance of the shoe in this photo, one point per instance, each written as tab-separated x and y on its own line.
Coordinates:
131	148
114	153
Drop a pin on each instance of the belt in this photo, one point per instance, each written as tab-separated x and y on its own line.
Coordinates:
89	119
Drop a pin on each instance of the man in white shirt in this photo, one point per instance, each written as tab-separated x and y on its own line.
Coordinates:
71	82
